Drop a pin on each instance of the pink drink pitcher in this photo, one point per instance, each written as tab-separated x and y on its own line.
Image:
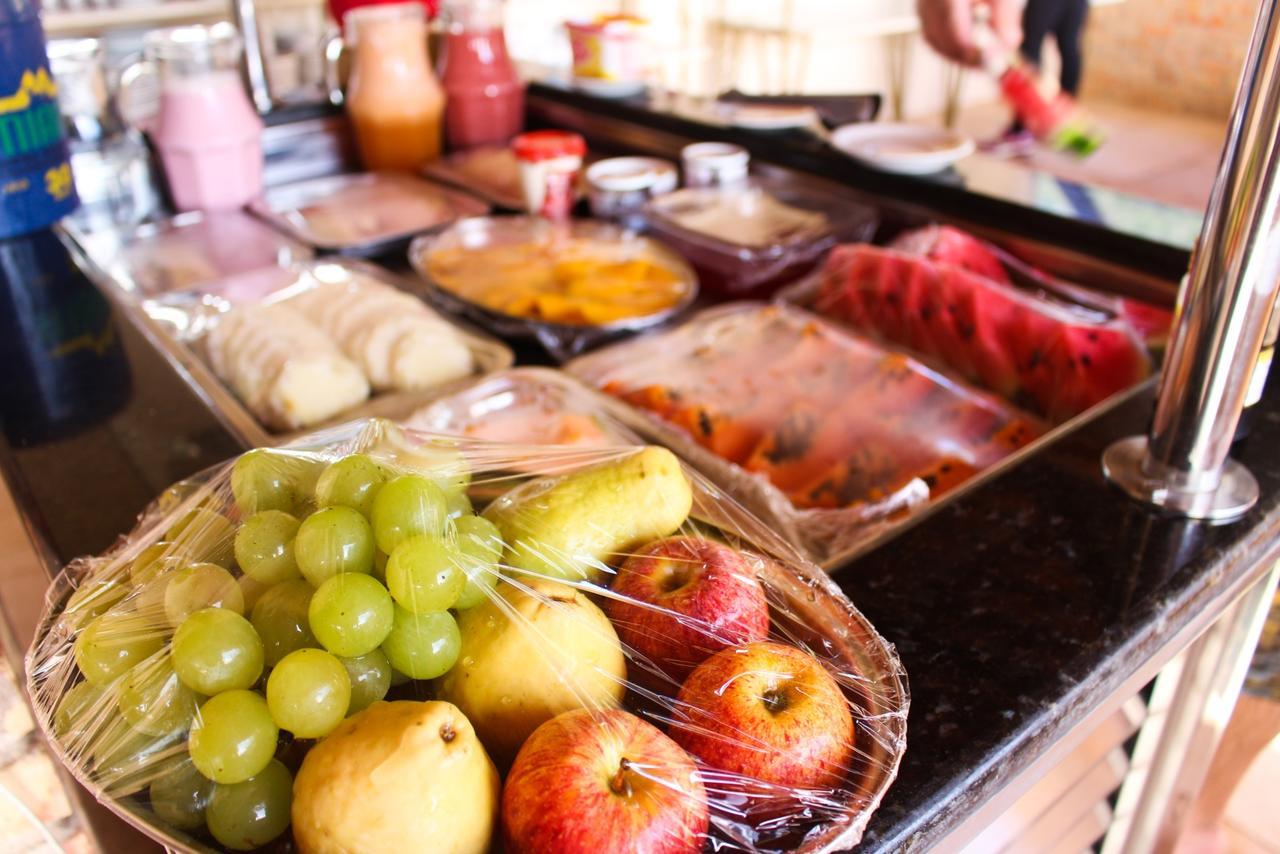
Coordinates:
207	132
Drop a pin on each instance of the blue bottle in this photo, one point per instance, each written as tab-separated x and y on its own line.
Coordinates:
36	189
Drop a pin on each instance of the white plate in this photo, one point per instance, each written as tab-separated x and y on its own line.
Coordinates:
602	88
768	116
907	149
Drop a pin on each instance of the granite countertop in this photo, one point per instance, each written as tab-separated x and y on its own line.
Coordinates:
1016	607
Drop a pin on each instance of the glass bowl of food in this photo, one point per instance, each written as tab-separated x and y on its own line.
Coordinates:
569	286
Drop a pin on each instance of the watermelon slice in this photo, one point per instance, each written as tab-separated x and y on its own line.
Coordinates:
1040	353
949	245
945	244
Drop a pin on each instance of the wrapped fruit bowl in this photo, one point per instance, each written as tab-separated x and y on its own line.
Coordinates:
373	638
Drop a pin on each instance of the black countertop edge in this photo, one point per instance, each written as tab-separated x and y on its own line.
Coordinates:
946	194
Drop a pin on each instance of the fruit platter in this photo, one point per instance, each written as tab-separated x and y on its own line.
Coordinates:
374	637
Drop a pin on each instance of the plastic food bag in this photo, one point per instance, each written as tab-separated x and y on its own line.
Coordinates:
1054	357
839	435
611	655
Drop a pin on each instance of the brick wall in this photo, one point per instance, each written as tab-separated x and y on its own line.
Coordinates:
1182	55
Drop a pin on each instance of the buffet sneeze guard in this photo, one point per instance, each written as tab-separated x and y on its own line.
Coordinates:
1183	466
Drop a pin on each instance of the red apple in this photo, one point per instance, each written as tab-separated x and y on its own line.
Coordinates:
768	712
686	598
602	780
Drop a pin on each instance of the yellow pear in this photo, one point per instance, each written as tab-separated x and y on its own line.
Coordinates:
535	650
401	776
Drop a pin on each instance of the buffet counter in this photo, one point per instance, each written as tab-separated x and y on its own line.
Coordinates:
1029	610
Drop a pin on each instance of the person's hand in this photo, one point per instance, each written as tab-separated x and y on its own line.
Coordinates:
948	26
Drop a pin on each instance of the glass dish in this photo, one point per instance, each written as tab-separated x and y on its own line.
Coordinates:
751	240
366	214
509	273
189	251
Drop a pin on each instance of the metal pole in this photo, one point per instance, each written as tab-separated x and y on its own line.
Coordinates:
254	67
1183	465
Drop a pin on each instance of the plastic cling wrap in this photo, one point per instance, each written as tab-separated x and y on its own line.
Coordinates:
377	637
527	406
840	435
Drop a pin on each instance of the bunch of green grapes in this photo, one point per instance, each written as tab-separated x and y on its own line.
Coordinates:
348	577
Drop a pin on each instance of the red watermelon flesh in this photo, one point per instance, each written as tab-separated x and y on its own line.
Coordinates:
1080	367
1150	322
1038	353
945	244
949	245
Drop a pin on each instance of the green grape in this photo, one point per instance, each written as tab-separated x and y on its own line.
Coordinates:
457	503
248	815
150	563
425	574
252	591
199	586
180	796
216	650
481	547
264	546
352	481
308	693
280	618
203	536
370	677
77	709
154	701
92	599
422	646
233	737
269	480
332	541
407	507
114	642
350	614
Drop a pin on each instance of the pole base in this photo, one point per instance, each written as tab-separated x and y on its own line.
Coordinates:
1122	463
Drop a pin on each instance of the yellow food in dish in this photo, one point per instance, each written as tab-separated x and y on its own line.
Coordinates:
571	281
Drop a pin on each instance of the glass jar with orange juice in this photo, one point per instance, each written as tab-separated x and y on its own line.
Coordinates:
395	103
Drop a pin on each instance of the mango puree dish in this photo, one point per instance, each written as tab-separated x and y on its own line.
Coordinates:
561	279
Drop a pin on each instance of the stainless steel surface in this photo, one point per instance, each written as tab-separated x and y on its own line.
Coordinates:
1190	706
1128	464
254	67
1224	308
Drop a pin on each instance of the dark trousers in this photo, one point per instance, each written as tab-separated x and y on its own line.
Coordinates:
1064	19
